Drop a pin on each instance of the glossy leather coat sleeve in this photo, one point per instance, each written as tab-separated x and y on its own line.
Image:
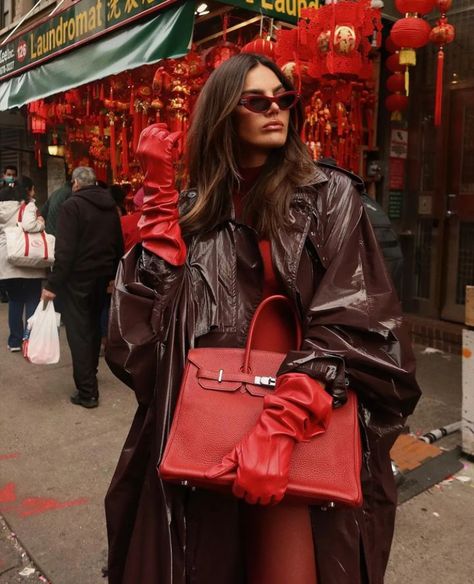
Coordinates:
353	326
145	287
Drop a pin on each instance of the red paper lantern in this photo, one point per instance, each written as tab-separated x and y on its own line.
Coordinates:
410	33
396	103
261	47
414	6
396	83
391	45
393	63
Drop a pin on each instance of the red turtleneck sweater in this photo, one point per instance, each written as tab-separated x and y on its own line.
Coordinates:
275	332
270	283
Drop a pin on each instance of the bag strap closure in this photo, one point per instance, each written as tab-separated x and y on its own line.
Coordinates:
223	376
275	299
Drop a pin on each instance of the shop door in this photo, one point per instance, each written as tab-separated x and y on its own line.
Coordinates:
459	265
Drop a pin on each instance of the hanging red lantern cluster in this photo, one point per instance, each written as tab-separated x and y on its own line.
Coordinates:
100	122
411	32
37	114
397	101
331	49
342	35
441	35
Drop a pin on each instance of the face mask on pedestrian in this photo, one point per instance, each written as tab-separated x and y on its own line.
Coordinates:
9	181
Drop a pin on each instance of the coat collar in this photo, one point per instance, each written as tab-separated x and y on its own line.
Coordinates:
301	194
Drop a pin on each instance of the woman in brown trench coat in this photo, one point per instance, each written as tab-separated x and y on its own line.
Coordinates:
197	280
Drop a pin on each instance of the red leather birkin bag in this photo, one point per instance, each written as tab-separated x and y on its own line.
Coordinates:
221	398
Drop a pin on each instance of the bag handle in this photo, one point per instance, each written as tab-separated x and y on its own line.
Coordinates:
21	210
275	299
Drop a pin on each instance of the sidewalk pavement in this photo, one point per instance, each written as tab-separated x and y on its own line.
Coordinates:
57	459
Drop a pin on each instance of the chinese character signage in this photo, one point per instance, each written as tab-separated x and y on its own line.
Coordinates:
84	21
287	10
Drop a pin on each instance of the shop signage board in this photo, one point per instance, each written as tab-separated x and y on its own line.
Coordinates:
166	34
395	204
286	10
397	169
399	143
80	23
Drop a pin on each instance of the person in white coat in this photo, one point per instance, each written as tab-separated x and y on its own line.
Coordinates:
23	285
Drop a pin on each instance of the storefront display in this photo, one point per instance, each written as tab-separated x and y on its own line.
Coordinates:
329	54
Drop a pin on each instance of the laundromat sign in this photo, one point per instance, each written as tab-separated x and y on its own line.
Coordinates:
287	10
81	22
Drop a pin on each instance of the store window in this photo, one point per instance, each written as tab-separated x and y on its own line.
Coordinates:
428	157
467	168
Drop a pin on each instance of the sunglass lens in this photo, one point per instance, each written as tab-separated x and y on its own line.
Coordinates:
286	101
259	104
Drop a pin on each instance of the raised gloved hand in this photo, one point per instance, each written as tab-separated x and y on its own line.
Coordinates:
158	226
297	410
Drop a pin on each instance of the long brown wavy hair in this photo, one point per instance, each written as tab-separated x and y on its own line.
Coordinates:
212	155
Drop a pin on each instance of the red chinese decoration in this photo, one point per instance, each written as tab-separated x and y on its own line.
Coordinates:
398	102
442	34
260	46
327	57
37	114
411	32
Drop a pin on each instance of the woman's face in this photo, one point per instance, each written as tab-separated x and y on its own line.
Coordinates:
259	133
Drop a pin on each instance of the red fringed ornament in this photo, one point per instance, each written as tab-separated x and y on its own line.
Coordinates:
124	141
113	145
442	34
137	125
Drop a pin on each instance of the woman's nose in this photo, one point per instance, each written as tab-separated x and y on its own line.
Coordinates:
274	108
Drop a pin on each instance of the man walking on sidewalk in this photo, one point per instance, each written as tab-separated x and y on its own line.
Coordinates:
88	248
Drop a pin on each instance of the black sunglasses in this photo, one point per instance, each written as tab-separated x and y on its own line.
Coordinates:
260	104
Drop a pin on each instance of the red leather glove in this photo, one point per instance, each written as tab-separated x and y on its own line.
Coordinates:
158	226
296	411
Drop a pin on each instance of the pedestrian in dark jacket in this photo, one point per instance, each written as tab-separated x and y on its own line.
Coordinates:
260	219
88	248
50	209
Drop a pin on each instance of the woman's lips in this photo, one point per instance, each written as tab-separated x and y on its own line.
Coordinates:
273	127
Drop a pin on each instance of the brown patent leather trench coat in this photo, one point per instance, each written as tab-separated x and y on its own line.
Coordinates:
329	263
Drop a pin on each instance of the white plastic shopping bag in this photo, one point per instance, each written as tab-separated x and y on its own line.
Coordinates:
41	344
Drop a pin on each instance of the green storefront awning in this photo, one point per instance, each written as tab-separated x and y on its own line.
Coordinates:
167	35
